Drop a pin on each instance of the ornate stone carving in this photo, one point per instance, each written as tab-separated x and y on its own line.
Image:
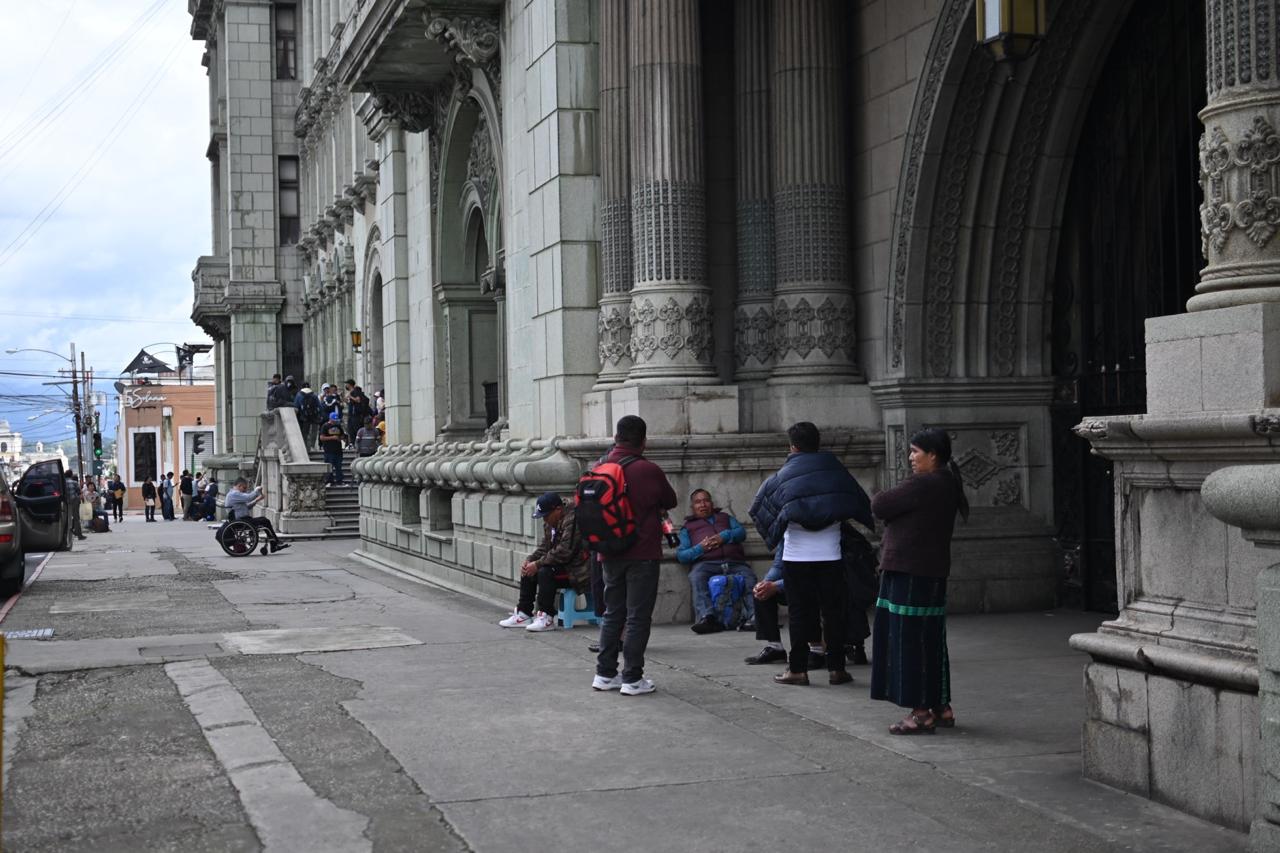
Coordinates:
755	248
614	329
412	108
644	341
977	467
1240	185
668	221
1239	43
1266	424
480	164
950	21
1008	492
1006	443
812	233
306	494
685	329
944	242
753	337
615	245
1003	344
473	38
801	329
1091	430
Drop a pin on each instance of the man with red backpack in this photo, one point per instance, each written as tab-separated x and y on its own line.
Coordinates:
625	525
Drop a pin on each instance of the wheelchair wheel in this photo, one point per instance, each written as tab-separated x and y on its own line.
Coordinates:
239	538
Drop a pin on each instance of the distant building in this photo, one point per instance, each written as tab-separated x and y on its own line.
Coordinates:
163	426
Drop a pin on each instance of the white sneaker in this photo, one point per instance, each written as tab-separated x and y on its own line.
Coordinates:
602	683
542	622
517	619
637	688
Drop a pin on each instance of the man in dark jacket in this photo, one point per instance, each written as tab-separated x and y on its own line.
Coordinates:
711	544
358	409
631	578
282	394
800	509
559	562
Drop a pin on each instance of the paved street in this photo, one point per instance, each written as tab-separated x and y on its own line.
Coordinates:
307	702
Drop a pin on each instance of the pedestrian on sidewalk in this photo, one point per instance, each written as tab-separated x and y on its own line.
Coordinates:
800	509
332	439
331	400
358	409
149	499
631	578
71	490
909	663
115	489
166	497
559	562
186	488
310	415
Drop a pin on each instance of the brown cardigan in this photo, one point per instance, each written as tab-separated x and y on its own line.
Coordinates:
919	516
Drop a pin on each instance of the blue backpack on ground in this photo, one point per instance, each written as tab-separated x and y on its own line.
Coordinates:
728	599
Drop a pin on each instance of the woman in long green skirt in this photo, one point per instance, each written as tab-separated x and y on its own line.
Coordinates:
909	665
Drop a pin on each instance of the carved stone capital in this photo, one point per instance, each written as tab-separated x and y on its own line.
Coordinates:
473	38
412	109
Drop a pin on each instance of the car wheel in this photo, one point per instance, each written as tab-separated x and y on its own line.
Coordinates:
12	574
69	540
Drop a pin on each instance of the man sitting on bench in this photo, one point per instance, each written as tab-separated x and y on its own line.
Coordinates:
560	562
240	503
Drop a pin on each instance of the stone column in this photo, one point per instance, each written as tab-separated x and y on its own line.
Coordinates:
753	322
1240	156
615	209
813	300
671	300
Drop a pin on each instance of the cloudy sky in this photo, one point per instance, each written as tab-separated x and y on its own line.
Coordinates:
104	191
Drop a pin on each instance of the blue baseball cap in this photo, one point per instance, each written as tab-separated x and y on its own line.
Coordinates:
334	416
548	502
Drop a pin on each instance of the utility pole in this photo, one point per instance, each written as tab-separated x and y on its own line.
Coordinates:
75	408
86	430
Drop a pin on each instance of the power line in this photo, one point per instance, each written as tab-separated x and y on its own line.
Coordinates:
30	126
33	227
40	62
102	318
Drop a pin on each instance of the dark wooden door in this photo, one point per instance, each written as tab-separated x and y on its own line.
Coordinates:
1129	250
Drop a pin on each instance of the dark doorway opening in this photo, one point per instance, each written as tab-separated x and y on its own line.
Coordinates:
1129	250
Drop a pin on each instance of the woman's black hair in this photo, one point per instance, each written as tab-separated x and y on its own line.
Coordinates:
938	442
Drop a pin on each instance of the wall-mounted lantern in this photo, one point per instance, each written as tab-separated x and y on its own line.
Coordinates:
1011	29
356	337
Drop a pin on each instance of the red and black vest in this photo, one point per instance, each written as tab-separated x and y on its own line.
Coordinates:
701	528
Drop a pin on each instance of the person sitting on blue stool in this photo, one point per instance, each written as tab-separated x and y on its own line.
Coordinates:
711	542
559	562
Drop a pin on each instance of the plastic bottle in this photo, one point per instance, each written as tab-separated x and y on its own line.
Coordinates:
669	530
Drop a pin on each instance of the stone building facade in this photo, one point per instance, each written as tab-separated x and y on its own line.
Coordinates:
729	216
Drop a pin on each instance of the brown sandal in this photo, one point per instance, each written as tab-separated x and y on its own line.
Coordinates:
915	724
789	677
944	717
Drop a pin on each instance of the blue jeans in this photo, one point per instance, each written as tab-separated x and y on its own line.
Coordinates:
703	572
630	591
335	460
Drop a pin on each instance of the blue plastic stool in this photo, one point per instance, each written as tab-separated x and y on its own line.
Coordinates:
569	612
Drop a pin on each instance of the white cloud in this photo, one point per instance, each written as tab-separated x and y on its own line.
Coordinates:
124	243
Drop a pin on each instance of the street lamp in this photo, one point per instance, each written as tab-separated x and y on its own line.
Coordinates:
356	338
75	399
1011	29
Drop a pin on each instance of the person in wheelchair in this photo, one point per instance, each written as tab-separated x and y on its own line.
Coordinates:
239	505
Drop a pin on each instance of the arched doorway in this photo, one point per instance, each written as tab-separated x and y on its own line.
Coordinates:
373	359
1129	249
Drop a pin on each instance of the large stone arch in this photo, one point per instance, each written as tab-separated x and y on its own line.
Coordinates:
373	315
468	193
989	151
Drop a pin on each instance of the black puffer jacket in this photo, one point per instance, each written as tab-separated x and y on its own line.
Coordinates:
813	490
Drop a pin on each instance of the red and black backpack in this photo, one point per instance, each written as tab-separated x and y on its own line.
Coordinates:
604	514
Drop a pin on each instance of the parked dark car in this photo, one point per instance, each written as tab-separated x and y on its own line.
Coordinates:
34	517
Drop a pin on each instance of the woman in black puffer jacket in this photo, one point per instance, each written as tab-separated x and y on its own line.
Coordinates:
909	664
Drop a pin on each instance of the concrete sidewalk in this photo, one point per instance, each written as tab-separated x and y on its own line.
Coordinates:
501	735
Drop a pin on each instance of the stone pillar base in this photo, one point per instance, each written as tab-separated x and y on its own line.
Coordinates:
679	409
843	406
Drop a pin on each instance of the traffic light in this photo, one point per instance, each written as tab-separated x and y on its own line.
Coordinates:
197	445
97	445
